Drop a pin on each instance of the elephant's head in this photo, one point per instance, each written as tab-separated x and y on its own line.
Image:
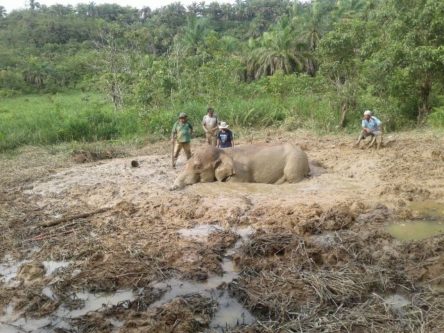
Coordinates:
224	167
206	165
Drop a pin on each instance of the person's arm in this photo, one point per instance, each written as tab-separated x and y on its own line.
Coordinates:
364	126
191	129
203	125
232	140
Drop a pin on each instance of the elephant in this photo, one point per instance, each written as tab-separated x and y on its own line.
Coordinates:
254	163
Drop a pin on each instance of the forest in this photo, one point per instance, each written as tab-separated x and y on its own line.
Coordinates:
107	72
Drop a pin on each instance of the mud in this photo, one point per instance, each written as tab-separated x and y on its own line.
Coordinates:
91	243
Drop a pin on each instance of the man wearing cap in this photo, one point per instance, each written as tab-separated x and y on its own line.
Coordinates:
371	126
209	124
181	137
225	136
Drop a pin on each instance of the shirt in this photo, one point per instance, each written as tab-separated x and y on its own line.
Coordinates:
209	122
182	131
372	124
225	138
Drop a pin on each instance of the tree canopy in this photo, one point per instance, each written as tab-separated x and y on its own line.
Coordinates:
382	54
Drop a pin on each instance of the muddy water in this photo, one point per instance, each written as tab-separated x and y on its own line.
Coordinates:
53	266
11	322
200	231
9	268
229	312
416	230
428	208
396	301
431	214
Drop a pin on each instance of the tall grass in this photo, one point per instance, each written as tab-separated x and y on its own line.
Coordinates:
50	119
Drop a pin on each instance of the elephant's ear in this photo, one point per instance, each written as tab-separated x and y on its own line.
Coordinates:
224	168
216	163
197	164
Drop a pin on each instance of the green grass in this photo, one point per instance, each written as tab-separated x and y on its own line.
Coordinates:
50	119
89	117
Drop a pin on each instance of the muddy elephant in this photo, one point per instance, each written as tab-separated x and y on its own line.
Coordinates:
255	163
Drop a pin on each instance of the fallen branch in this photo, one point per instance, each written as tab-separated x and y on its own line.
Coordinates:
73	217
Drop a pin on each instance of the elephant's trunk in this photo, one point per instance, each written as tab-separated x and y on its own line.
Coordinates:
185	178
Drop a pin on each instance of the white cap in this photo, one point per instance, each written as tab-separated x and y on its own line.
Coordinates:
367	113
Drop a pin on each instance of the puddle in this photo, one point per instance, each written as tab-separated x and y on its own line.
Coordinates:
428	209
432	223
52	266
396	301
176	287
415	230
229	312
94	302
11	322
9	270
199	231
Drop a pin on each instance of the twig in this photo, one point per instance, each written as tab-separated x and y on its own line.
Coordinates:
73	217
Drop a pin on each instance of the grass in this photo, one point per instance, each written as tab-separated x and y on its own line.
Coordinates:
78	117
51	119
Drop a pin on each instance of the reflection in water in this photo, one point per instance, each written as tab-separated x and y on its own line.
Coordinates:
416	230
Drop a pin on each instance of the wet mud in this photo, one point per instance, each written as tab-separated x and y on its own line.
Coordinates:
93	243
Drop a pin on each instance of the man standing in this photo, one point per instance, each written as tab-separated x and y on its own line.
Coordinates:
371	126
209	124
181	137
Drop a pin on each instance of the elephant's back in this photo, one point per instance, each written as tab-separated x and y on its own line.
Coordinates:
267	163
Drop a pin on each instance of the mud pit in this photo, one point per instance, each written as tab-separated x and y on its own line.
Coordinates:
106	247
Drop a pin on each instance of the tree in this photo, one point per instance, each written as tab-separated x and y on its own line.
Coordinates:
279	50
2	12
405	58
340	63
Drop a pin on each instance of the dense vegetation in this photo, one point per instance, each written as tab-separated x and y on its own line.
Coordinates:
260	63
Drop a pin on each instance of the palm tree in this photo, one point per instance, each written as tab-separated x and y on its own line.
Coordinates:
311	22
194	34
279	50
2	12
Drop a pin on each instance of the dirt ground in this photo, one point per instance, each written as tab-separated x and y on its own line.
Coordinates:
319	258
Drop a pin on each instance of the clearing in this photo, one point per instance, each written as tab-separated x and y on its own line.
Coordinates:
97	245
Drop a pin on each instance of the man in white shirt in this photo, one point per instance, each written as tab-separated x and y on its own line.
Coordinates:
210	126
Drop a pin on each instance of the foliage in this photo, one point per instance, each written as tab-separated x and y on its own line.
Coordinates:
261	63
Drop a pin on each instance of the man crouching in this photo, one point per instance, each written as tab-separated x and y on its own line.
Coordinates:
371	127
